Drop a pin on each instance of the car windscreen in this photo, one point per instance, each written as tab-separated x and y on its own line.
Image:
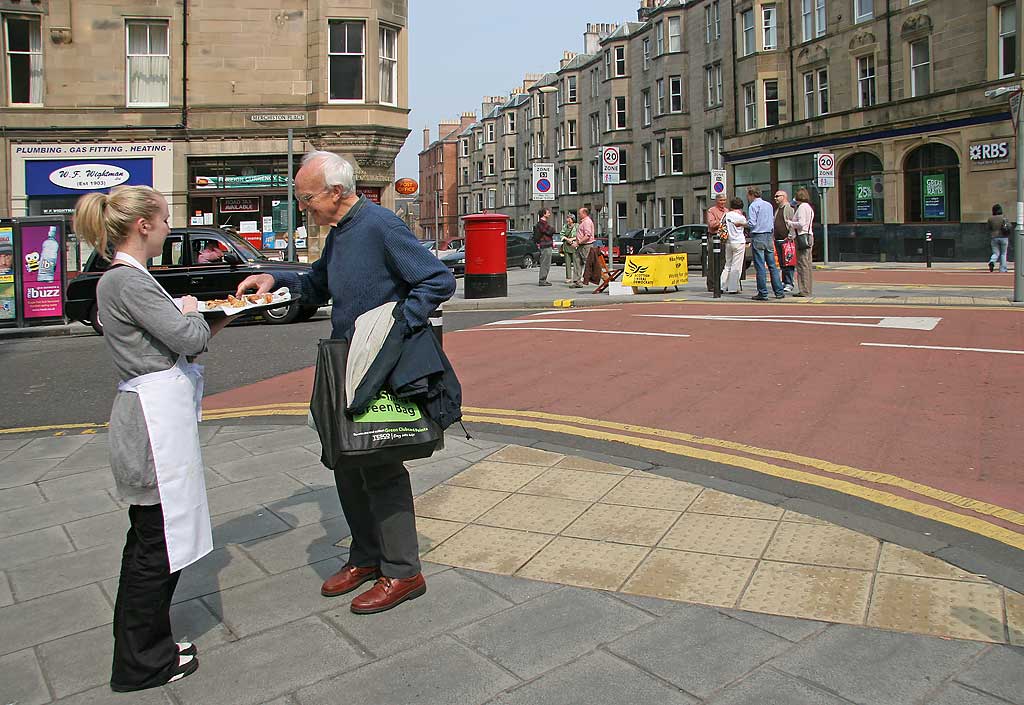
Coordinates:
248	252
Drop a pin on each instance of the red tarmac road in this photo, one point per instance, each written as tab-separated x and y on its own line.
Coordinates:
946	419
919	277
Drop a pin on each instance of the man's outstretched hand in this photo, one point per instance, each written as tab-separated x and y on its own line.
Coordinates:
255	283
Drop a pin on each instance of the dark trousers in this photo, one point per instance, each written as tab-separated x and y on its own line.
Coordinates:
378	507
144	650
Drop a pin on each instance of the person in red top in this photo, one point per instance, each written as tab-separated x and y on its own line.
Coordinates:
714	218
543	235
584	243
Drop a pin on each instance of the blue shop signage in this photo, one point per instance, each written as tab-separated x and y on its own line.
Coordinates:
59	177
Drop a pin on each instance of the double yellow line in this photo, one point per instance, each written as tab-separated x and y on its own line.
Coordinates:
688	445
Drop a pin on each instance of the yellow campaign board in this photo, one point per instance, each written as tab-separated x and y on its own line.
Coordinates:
655	270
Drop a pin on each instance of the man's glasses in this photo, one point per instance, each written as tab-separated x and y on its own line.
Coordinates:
307	198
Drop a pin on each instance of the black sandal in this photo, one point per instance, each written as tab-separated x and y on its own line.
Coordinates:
182	671
187	648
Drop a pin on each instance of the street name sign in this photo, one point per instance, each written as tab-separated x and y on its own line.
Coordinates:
543	182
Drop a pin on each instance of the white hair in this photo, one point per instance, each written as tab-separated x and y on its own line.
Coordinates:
335	170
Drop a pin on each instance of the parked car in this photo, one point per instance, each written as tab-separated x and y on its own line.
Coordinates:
687	238
603	247
635	240
455	244
520	251
179	271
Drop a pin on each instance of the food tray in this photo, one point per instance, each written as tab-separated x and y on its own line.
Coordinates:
248	303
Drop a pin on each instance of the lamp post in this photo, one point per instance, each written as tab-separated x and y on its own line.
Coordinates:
1018	230
437	233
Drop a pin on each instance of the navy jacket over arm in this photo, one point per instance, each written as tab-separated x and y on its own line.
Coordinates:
370	259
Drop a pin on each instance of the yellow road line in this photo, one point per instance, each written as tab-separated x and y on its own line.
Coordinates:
234	414
879	478
52	427
886	499
883	285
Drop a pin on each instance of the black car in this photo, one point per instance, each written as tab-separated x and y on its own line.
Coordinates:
207	263
520	251
686	238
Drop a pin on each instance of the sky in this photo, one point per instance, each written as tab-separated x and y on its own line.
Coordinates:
463	50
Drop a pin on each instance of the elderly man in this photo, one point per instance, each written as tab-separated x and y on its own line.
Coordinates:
584	243
370	258
784	213
714	218
761	219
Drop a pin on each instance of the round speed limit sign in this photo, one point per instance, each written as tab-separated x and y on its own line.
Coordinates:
826	162
610	155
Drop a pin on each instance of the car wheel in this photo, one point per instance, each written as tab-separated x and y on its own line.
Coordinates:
282	314
94	320
306	312
527	262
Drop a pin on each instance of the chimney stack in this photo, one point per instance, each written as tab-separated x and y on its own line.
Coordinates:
426	137
567	56
596	31
465	120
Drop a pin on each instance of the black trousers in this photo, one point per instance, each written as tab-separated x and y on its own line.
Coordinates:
378	507
145	653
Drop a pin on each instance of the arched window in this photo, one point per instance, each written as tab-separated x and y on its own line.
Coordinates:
932	185
861	196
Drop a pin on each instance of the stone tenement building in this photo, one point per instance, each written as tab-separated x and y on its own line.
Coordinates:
195	97
894	88
438	179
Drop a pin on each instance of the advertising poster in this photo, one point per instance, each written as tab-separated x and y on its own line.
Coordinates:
862	191
7	299
933	190
41	277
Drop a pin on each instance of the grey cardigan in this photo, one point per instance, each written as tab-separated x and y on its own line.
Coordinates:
145	332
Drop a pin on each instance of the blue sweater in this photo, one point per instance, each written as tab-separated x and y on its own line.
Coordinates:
370	259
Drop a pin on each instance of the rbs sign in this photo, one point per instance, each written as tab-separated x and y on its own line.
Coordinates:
987	153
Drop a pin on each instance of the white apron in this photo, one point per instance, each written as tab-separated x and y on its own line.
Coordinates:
171	402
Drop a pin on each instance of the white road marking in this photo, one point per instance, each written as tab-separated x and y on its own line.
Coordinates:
939	347
575	311
901	322
579	330
521	321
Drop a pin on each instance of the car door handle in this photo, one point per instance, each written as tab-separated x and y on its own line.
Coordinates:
195	280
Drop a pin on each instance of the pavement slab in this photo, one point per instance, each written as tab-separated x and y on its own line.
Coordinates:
64	572
219	570
552	629
273	462
593	564
47	618
245	525
33	546
245	494
691	577
6	597
441	672
961	609
104	696
25	471
307	508
21	681
768	687
22	496
20	521
70	486
999	671
515	590
305	545
1014	616
78	662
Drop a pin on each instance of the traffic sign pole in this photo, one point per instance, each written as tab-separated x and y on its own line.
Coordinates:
824	223
826	163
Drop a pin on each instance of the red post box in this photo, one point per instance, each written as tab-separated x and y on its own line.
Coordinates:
486	256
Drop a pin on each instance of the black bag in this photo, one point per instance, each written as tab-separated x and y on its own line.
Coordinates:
390	430
803	241
1005	230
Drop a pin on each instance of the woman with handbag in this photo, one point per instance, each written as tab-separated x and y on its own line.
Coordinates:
568	250
999	229
731	231
154	434
803	222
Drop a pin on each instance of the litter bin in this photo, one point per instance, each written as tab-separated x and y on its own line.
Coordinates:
486	256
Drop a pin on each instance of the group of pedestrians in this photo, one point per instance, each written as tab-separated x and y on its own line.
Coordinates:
577	243
781	241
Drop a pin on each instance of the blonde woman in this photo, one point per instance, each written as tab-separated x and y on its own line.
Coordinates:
154	435
735	246
803	223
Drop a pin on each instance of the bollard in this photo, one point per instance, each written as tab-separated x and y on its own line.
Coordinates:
704	257
437	326
928	249
716	267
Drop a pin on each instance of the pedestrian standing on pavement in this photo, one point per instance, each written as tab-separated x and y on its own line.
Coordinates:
803	224
584	244
999	228
154	433
785	239
543	235
568	246
714	220
370	258
735	246
761	218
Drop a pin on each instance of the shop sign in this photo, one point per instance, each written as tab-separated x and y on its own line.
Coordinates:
406	186
372	193
251	181
862	194
933	190
8	310
239	205
50	177
989	153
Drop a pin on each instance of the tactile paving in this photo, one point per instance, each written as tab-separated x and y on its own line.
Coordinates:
904	561
489	549
653	492
592	564
525	456
809	591
1015	616
715	502
573	462
951	608
531	513
572	484
456	503
614	522
431	532
823	545
504	477
693	577
799	518
727	536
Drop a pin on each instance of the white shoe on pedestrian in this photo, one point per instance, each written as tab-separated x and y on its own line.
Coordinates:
787	288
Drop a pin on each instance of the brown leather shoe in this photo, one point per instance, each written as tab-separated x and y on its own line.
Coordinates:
348	579
389	592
